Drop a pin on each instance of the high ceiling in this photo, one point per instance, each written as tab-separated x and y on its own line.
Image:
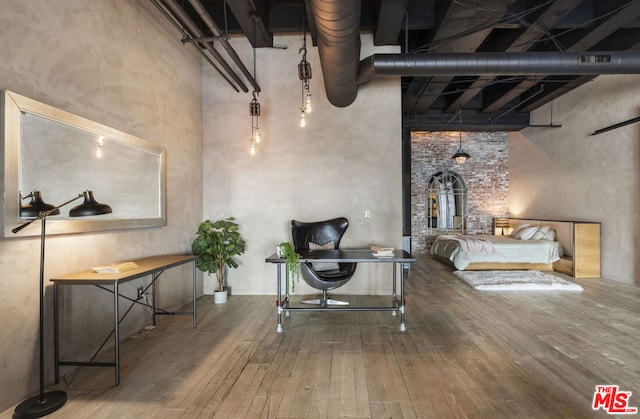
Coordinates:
438	30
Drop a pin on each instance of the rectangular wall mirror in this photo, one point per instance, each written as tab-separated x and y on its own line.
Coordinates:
61	155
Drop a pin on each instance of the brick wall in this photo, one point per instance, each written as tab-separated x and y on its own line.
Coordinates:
486	175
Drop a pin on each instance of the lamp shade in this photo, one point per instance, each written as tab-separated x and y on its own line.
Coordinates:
461	156
89	207
502	222
36	206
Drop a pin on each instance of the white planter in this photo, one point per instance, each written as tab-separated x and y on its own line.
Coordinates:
210	283
220	297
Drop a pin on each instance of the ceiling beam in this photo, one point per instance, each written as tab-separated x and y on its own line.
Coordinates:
555	93
533	32
435	120
598	33
252	14
462	31
391	16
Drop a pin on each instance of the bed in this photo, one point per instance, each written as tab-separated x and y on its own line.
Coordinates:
532	244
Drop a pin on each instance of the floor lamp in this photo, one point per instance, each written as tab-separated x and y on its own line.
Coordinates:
45	403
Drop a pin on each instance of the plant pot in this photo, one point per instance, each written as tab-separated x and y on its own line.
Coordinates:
220	297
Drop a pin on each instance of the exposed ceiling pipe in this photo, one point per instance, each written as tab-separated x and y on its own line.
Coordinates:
197	33
495	64
171	19
338	29
215	29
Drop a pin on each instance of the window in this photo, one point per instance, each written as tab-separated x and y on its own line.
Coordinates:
446	203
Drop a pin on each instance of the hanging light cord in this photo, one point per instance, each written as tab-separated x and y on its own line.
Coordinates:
254	50
460	126
304	40
307	74
255	105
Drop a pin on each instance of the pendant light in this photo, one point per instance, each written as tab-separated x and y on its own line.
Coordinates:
254	110
304	74
254	106
461	156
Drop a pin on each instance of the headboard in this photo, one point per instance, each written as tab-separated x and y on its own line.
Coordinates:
564	231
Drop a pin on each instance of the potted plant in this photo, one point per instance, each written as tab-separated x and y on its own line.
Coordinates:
215	246
287	251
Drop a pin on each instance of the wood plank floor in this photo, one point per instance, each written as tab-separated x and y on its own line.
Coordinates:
466	354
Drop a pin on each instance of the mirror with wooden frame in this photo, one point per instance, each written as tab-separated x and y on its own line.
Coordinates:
61	155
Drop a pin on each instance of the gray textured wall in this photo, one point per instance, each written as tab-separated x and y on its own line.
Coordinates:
567	174
120	64
346	161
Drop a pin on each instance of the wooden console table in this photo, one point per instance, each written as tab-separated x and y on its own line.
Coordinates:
153	266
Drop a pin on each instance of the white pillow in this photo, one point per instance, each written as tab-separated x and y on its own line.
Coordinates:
517	229
323	266
526	233
551	235
541	232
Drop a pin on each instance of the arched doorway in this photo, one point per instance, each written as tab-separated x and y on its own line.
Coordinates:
446	203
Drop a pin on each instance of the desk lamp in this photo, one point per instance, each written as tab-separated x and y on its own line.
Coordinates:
43	403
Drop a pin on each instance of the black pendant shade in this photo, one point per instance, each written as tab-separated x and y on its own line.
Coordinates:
36	206
89	207
461	156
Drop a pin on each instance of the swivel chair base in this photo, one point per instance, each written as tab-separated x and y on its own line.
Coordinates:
326	301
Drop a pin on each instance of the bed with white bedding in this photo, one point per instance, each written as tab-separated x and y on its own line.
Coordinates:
484	252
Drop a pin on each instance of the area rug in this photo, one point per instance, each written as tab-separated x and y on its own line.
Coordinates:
515	281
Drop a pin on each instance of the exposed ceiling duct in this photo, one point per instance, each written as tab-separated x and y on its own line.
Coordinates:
337	23
551	36
338	36
496	64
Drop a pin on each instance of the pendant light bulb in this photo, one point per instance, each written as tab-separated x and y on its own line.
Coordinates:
303	120
257	137
252	149
99	147
307	107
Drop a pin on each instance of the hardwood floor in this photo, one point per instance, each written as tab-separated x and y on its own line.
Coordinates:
466	354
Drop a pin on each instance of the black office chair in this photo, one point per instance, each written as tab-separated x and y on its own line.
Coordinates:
327	276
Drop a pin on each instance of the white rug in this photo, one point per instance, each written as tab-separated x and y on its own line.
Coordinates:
515	281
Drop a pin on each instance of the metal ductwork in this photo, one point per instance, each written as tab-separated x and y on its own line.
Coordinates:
208	20
338	37
181	15
496	64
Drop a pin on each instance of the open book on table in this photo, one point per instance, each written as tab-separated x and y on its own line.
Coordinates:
380	251
115	267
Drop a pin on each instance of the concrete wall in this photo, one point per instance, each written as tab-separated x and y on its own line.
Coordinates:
567	174
485	174
346	161
120	64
